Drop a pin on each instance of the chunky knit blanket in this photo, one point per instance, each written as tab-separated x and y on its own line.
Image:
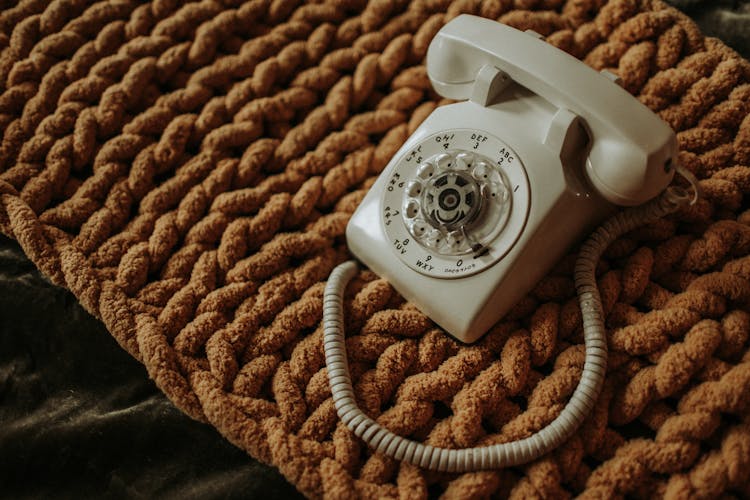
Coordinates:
187	171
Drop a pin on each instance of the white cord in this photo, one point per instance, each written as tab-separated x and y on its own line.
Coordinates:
548	438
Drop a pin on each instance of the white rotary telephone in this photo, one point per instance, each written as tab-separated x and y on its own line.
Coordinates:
488	194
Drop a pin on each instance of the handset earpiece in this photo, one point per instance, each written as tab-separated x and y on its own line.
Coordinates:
632	149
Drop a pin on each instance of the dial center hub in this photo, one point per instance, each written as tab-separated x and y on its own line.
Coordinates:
451	200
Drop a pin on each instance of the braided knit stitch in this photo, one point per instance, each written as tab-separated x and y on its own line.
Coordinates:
187	170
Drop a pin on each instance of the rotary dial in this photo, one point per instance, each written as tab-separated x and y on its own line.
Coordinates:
455	203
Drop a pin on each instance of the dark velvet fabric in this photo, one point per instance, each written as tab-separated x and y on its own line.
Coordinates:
728	20
80	418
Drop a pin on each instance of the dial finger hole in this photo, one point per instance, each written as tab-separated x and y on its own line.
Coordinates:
445	161
454	239
414	189
498	192
464	161
412	209
481	171
426	170
421	229
485	173
433	238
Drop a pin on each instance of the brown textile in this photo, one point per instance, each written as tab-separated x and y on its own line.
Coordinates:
188	169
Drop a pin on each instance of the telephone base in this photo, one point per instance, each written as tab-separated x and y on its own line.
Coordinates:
552	210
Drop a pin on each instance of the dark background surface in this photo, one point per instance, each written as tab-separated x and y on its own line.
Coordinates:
80	418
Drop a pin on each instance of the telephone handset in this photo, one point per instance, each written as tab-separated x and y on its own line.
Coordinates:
630	145
488	194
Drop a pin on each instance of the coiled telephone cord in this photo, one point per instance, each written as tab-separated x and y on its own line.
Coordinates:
576	410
